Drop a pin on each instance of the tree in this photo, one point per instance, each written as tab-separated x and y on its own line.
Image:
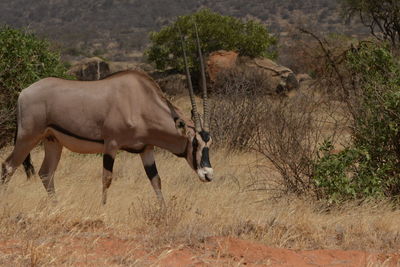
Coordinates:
24	59
370	167
382	17
216	32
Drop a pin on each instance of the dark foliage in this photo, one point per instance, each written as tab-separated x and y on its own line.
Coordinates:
24	60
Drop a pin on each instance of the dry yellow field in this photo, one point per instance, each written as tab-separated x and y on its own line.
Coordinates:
130	230
35	231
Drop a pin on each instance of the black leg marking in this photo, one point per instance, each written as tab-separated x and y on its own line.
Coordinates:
16	131
151	170
108	162
28	166
3	173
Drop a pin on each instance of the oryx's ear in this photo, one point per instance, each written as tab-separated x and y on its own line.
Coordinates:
181	126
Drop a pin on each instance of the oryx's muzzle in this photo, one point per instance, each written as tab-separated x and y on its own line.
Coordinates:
205	174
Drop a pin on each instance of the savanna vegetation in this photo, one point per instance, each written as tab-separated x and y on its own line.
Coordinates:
313	169
24	59
217	32
115	29
381	17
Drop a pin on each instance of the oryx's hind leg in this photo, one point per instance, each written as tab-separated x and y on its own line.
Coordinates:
110	150
21	150
52	154
149	165
28	166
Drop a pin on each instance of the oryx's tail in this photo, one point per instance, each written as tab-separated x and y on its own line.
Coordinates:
28	166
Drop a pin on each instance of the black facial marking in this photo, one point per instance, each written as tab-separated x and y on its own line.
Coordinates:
66	132
205	159
134	151
180	124
181	155
195	145
205	136
184	153
108	162
151	170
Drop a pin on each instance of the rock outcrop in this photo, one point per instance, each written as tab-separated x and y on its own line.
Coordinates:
90	69
281	78
220	60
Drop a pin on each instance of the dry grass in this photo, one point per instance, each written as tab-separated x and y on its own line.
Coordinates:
34	231
195	211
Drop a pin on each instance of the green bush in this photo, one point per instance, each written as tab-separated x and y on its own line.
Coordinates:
24	59
371	166
216	32
347	175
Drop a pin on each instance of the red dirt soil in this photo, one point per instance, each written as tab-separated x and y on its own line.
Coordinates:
215	251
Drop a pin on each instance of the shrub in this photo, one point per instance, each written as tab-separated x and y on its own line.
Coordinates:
288	137
371	166
216	32
343	176
249	115
24	60
238	107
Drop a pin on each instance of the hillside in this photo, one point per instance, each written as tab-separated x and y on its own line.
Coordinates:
118	29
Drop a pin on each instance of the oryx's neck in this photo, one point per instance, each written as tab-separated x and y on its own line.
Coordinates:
161	128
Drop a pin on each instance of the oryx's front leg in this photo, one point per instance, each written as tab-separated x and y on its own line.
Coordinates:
152	173
110	150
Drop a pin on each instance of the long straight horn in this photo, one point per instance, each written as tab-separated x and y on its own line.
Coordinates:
206	119
195	114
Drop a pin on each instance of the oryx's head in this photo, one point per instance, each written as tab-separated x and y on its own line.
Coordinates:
199	140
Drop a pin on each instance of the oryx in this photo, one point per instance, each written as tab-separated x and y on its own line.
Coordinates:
126	111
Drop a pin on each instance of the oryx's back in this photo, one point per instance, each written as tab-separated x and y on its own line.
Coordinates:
90	110
87	102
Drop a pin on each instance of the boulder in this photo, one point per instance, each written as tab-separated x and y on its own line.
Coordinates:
117	66
220	60
90	69
281	78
